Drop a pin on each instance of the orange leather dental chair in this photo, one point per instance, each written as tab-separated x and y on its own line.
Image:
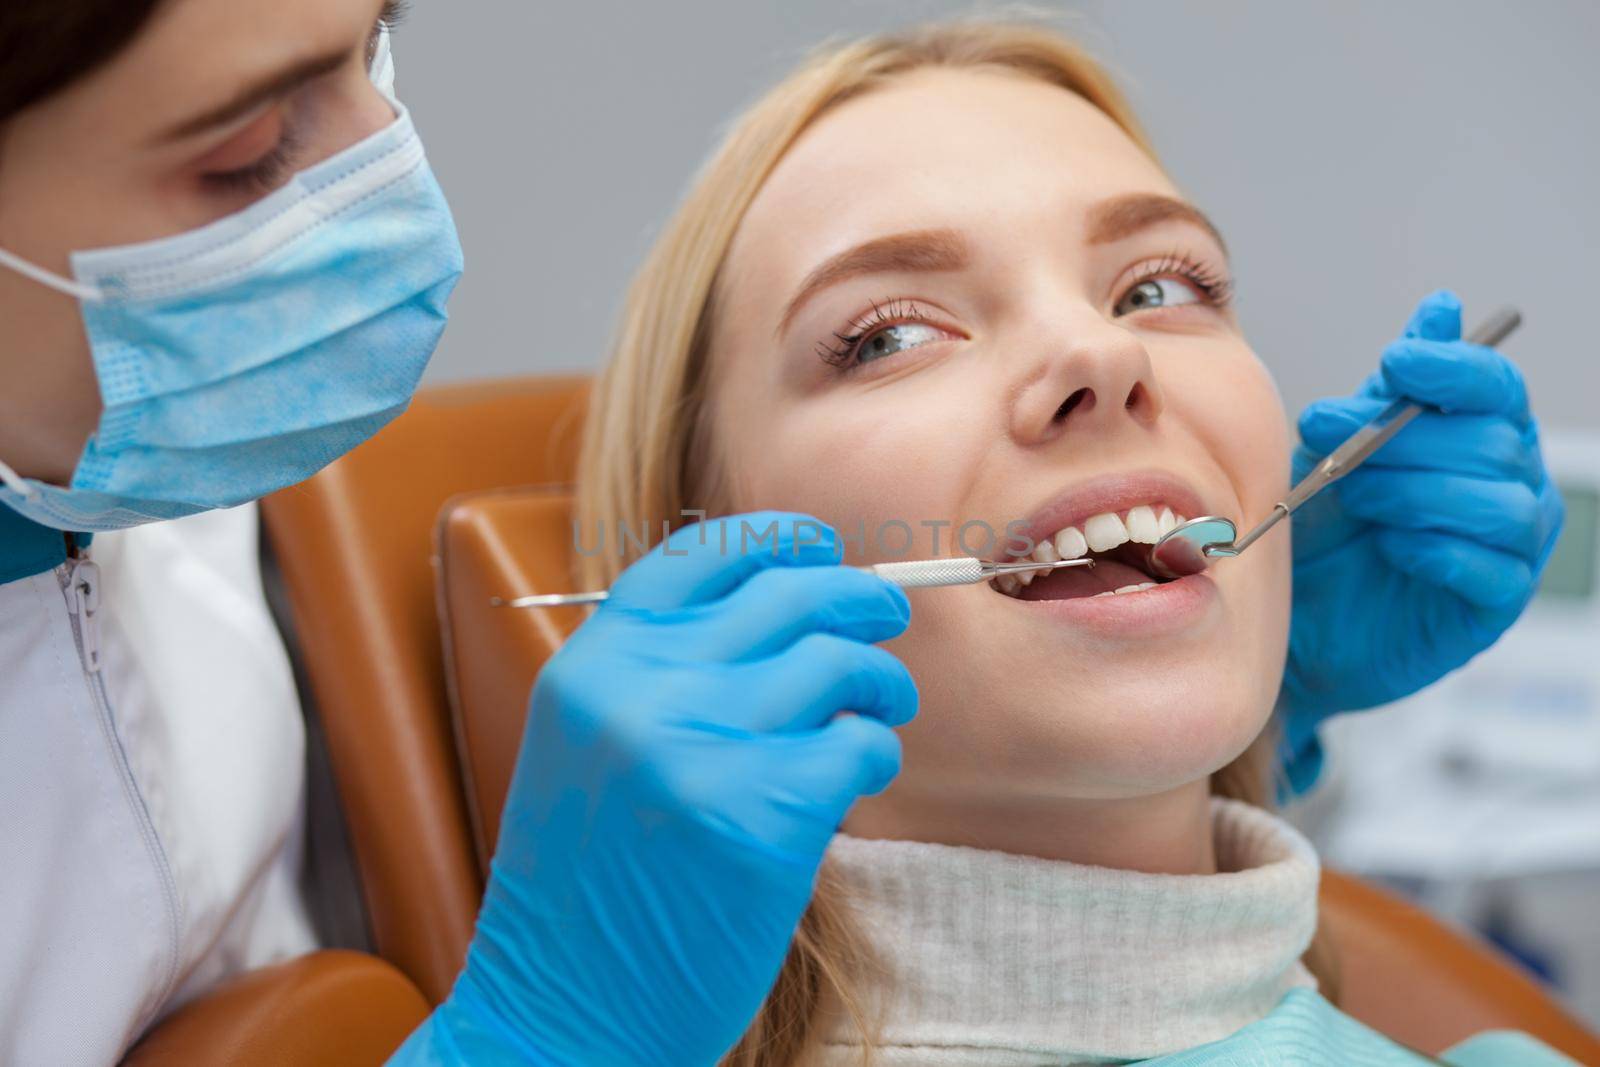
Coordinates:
354	546
390	558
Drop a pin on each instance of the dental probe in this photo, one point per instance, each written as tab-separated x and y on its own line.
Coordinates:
1189	548
907	574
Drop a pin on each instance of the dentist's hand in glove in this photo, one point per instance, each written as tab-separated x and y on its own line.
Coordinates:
683	769
1419	559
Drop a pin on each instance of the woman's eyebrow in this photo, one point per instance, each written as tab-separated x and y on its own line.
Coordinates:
1123	216
278	83
918	250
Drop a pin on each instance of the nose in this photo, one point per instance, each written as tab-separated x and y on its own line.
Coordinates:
1090	375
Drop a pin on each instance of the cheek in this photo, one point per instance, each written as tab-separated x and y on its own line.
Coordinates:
1251	432
349	112
1257	456
1252	445
857	466
1228	410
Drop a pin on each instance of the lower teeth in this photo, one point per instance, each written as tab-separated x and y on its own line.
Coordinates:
1141	587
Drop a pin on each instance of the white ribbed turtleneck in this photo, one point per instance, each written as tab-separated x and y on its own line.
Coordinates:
998	959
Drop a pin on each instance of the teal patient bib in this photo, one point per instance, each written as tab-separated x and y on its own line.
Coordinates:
1304	1030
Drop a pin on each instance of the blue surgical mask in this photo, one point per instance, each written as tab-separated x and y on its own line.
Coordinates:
244	356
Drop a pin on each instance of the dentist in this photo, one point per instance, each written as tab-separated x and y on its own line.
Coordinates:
224	263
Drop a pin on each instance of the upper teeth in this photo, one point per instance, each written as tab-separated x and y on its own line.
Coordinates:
1144	524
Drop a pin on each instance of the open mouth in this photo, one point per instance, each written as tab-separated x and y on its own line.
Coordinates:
1118	542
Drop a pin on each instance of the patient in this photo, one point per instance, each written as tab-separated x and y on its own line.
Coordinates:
941	279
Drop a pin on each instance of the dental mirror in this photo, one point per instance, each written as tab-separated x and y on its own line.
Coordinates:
1190	548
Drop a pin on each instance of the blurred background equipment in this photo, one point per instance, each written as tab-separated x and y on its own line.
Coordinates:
1480	797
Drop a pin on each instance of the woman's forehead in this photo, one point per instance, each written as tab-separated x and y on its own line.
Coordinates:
985	152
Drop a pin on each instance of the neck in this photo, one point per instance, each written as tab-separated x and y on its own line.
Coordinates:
1160	833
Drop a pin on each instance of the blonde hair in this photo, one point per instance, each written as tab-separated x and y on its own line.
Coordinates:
647	452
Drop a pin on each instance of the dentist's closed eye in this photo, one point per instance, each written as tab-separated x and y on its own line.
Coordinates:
888	328
1174	281
256	160
261	171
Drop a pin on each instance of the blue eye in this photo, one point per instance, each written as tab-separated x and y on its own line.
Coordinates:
889	329
897	338
1156	292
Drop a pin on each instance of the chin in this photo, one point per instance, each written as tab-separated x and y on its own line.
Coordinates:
1047	705
1139	732
1150	735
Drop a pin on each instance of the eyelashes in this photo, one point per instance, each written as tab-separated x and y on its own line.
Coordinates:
261	176
1213	284
842	350
272	169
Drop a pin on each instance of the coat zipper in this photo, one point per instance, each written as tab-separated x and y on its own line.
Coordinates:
83	605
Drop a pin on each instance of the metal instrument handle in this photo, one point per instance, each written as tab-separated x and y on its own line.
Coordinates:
1371	437
922	573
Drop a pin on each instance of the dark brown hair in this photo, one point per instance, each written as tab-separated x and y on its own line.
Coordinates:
46	45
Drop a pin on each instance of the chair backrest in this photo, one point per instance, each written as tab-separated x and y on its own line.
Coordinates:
1430	984
354	545
1403	972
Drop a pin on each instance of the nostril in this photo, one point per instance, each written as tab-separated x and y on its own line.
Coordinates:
1141	402
1082	398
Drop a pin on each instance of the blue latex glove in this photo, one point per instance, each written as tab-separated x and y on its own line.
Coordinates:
680	777
1419	559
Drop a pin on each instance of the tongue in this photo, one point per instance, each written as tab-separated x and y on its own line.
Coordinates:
1071	583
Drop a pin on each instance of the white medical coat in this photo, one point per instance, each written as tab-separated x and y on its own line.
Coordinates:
152	787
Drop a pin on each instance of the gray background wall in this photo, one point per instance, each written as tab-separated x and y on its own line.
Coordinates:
1356	154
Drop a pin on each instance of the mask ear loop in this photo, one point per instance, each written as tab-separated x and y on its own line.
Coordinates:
86	293
13	481
382	71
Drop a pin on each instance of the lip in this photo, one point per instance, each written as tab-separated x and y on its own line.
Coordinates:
1170	609
1111	492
